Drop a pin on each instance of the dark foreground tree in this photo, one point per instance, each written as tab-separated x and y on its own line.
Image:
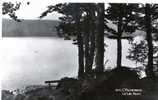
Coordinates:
149	68
10	9
89	31
100	39
121	16
79	21
79	41
147	16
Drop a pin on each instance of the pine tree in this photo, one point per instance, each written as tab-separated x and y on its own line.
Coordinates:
147	16
79	20
100	39
10	9
121	16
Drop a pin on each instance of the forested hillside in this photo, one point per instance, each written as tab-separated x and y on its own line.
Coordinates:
26	28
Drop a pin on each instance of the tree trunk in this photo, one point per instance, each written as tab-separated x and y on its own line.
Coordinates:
80	44
87	49
119	52
149	68
100	40
80	56
90	42
92	46
119	43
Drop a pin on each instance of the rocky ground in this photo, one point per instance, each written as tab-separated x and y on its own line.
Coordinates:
117	85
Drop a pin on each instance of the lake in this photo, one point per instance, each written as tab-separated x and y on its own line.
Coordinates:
33	60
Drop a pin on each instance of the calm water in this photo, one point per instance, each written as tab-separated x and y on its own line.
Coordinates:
27	61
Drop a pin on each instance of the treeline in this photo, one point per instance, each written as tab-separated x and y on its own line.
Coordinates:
88	22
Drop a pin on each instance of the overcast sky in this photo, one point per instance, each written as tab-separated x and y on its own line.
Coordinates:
36	7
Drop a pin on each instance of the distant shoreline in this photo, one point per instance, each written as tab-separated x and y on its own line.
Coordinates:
29	28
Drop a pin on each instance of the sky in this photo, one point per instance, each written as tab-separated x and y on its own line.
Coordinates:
36	7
